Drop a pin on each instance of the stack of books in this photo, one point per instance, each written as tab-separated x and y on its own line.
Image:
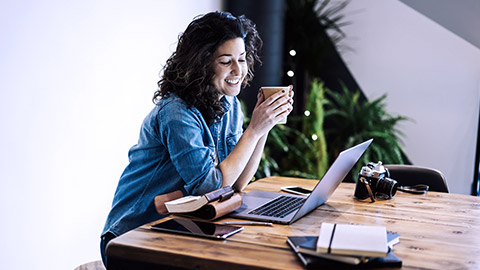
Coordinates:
209	206
191	203
347	246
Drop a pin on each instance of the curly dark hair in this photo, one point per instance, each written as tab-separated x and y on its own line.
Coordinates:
188	72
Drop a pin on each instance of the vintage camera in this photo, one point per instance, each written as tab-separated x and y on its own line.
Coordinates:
374	182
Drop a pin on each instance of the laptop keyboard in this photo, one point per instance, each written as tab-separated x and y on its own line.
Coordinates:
279	207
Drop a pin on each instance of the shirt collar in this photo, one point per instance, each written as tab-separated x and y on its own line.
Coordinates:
226	103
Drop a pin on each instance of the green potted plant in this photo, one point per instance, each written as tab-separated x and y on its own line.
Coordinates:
298	148
333	120
352	121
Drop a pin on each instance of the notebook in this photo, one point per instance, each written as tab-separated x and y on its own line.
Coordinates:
255	201
353	239
315	262
308	245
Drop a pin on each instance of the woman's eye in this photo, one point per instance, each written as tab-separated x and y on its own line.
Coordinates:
242	60
225	63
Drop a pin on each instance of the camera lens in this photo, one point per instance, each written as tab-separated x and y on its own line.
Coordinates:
386	188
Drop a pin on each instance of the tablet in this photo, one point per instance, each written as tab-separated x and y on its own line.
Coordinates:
196	228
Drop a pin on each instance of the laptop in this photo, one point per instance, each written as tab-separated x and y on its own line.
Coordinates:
288	208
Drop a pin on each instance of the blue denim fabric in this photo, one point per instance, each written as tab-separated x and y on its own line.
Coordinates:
175	151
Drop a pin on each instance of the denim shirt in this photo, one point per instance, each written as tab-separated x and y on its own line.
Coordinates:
176	150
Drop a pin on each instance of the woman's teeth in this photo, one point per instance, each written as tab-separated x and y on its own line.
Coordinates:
233	81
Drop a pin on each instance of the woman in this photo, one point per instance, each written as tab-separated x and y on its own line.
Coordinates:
193	140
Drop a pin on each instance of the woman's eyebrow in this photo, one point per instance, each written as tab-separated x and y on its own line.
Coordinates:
229	55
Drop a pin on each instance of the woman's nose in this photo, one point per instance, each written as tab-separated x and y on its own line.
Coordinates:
235	68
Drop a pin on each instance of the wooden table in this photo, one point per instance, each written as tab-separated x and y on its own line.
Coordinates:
437	231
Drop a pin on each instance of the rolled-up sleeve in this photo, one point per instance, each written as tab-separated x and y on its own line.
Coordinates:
191	149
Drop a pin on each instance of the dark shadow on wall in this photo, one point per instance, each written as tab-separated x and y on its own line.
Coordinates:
283	26
269	16
476	172
298	25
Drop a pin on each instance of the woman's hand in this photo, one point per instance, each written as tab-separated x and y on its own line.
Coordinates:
241	164
268	112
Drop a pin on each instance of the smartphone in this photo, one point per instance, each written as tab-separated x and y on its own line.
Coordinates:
297	190
196	228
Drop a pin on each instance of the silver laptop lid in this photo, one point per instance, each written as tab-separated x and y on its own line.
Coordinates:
332	179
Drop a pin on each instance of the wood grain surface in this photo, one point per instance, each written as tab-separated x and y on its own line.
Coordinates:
437	231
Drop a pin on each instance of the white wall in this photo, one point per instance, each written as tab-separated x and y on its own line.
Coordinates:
76	80
430	75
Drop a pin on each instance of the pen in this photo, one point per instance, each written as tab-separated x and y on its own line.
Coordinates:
247	223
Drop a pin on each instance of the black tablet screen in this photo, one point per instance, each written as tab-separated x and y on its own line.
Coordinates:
197	228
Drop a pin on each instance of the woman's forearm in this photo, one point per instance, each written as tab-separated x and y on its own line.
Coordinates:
240	165
241	159
252	165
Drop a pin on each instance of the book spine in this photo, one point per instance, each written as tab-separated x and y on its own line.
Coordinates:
214	195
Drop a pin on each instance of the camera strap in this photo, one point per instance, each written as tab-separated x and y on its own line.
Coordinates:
416	189
367	186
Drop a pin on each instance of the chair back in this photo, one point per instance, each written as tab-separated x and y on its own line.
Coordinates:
409	175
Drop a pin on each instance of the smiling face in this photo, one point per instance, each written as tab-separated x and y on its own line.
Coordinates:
229	67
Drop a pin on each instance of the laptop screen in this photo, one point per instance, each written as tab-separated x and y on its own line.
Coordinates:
332	178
